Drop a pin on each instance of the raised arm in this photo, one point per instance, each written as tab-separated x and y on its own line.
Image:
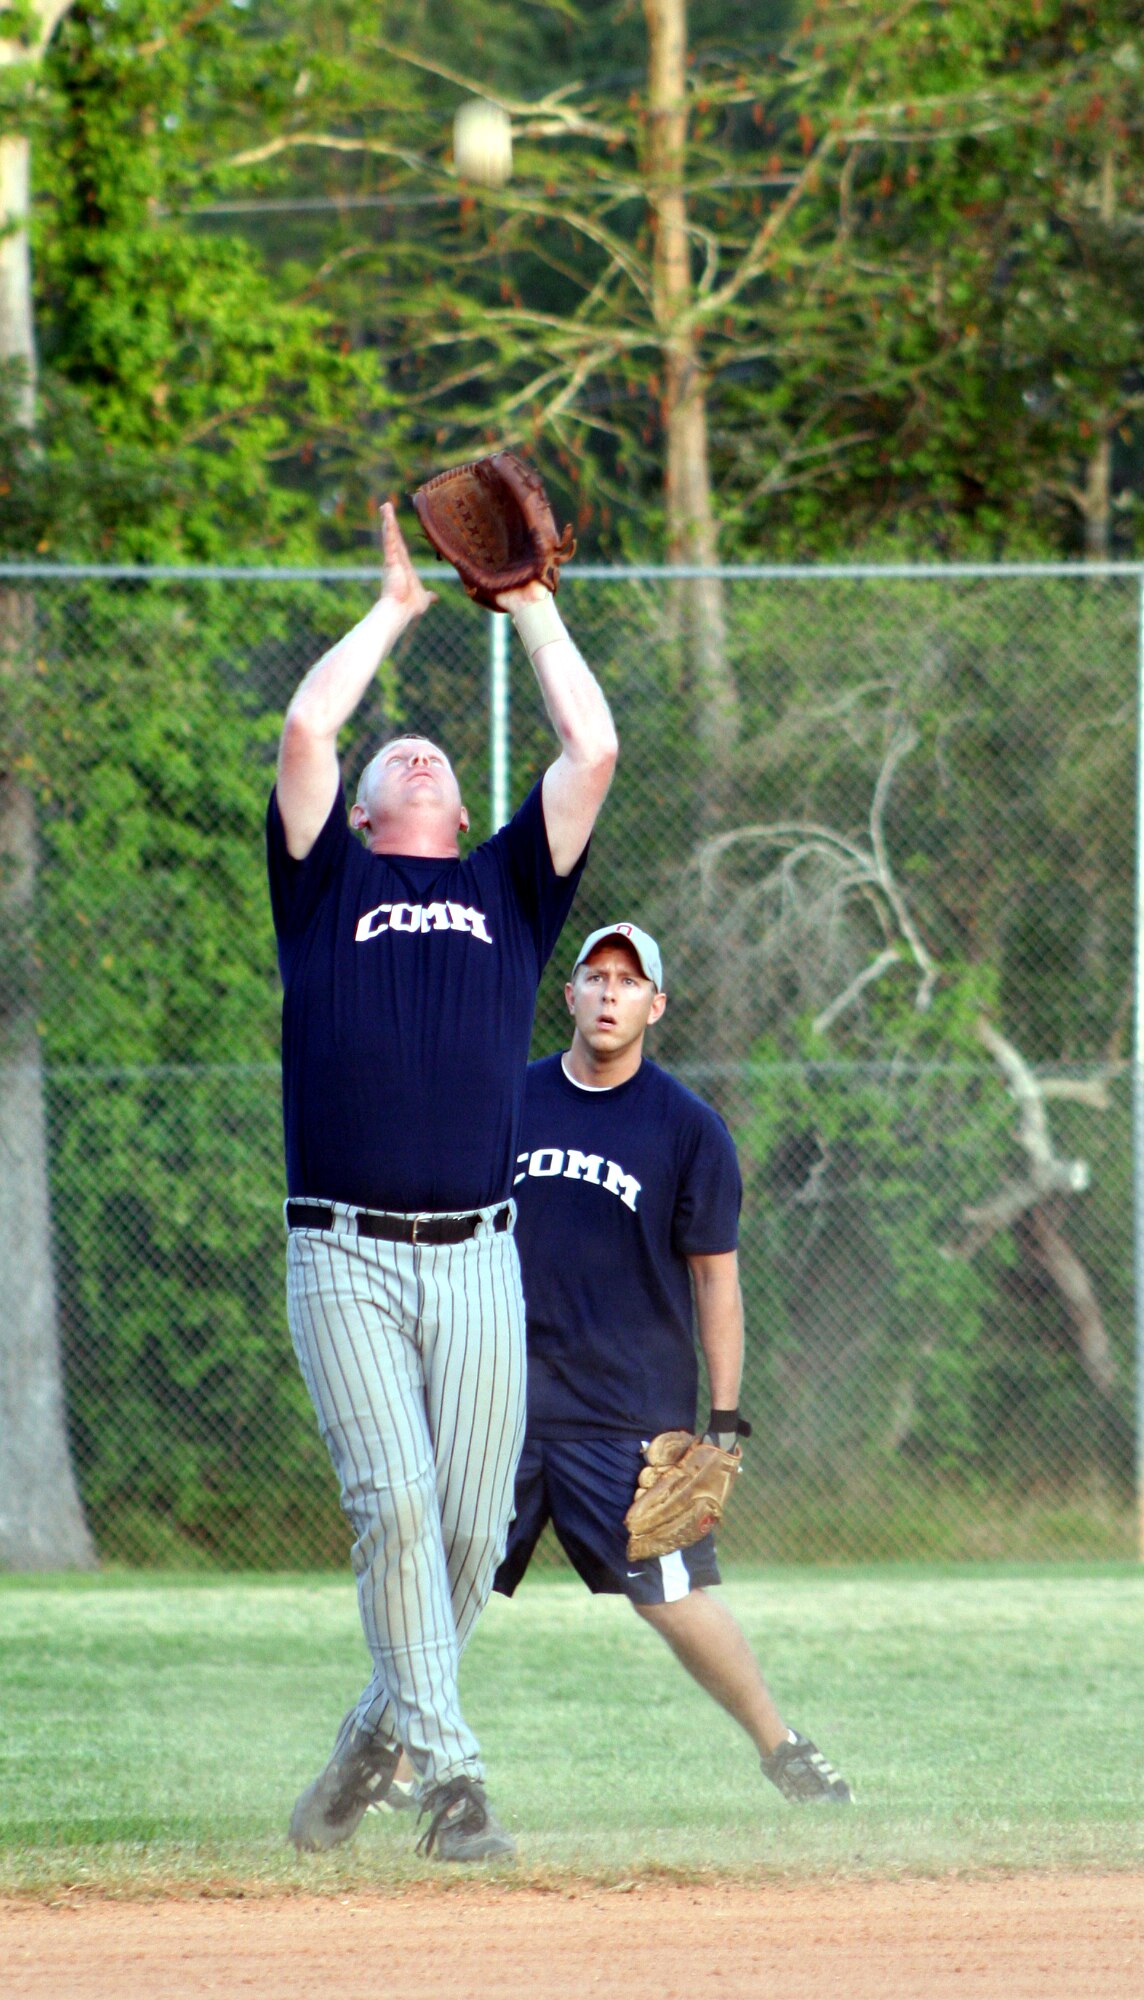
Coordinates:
719	1312
576	785
308	751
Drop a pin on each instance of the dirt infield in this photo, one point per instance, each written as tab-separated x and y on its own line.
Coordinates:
1022	1938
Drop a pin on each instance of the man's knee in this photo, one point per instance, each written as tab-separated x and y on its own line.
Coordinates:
387	1520
473	1549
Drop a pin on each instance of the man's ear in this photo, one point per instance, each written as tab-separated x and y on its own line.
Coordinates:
570	996
657	1007
464	819
359	817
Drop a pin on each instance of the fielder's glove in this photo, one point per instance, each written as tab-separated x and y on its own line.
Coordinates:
491	520
681	1494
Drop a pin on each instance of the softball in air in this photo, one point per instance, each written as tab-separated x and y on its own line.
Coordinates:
482	143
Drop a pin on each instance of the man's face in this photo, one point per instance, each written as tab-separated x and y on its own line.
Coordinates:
611	999
408	782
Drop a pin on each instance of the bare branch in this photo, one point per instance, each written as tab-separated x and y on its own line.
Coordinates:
1094	1092
986	1219
755	257
776	833
901	743
621	253
330	142
548	116
865	978
573	383
1023	1085
779	480
1048	1175
1075	1287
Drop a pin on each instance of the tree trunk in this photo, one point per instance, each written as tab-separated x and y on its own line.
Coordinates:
17	341
1075	1287
1096	501
697	603
41	1516
692	535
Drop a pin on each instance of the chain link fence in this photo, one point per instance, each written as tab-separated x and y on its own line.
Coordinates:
883	824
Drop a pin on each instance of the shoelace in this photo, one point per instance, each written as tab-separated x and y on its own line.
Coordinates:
362	1781
470	1816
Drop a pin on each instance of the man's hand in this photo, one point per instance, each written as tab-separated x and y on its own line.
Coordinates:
400	584
308	753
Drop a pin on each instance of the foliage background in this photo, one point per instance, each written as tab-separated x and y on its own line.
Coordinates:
903	1398
263	297
912	305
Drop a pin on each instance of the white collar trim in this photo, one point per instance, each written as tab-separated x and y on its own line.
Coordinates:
592	1089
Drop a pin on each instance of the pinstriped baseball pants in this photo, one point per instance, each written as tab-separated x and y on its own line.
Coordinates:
414	1357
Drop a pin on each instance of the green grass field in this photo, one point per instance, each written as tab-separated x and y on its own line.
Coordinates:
157	1729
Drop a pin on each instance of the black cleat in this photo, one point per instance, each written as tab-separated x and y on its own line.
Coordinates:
803	1775
357	1776
462	1826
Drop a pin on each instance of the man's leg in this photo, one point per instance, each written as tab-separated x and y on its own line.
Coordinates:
707	1640
473	1333
353	1312
530	1517
472	1344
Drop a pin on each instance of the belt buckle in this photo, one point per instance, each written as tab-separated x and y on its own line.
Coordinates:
414	1226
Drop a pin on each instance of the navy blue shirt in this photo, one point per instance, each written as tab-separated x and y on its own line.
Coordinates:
616	1189
410	987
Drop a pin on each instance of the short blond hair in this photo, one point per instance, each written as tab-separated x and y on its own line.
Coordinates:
405	736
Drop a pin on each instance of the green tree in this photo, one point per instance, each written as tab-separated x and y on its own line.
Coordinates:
963	288
213	404
871	272
189	406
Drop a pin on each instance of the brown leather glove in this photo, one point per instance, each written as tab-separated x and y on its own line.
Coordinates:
681	1493
491	520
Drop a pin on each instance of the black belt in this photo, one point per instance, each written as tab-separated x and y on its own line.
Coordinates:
396	1228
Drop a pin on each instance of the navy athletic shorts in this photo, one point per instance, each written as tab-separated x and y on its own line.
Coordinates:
584	1486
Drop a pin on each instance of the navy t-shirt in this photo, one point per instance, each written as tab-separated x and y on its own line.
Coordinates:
615	1189
410	987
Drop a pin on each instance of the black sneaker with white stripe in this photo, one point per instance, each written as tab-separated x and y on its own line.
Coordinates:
357	1776
803	1774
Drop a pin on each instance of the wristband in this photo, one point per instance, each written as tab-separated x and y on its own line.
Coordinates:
539	624
722	1421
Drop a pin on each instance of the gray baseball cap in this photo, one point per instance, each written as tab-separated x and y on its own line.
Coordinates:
645	948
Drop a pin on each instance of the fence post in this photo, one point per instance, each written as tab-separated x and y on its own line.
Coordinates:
498	719
1138	1077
